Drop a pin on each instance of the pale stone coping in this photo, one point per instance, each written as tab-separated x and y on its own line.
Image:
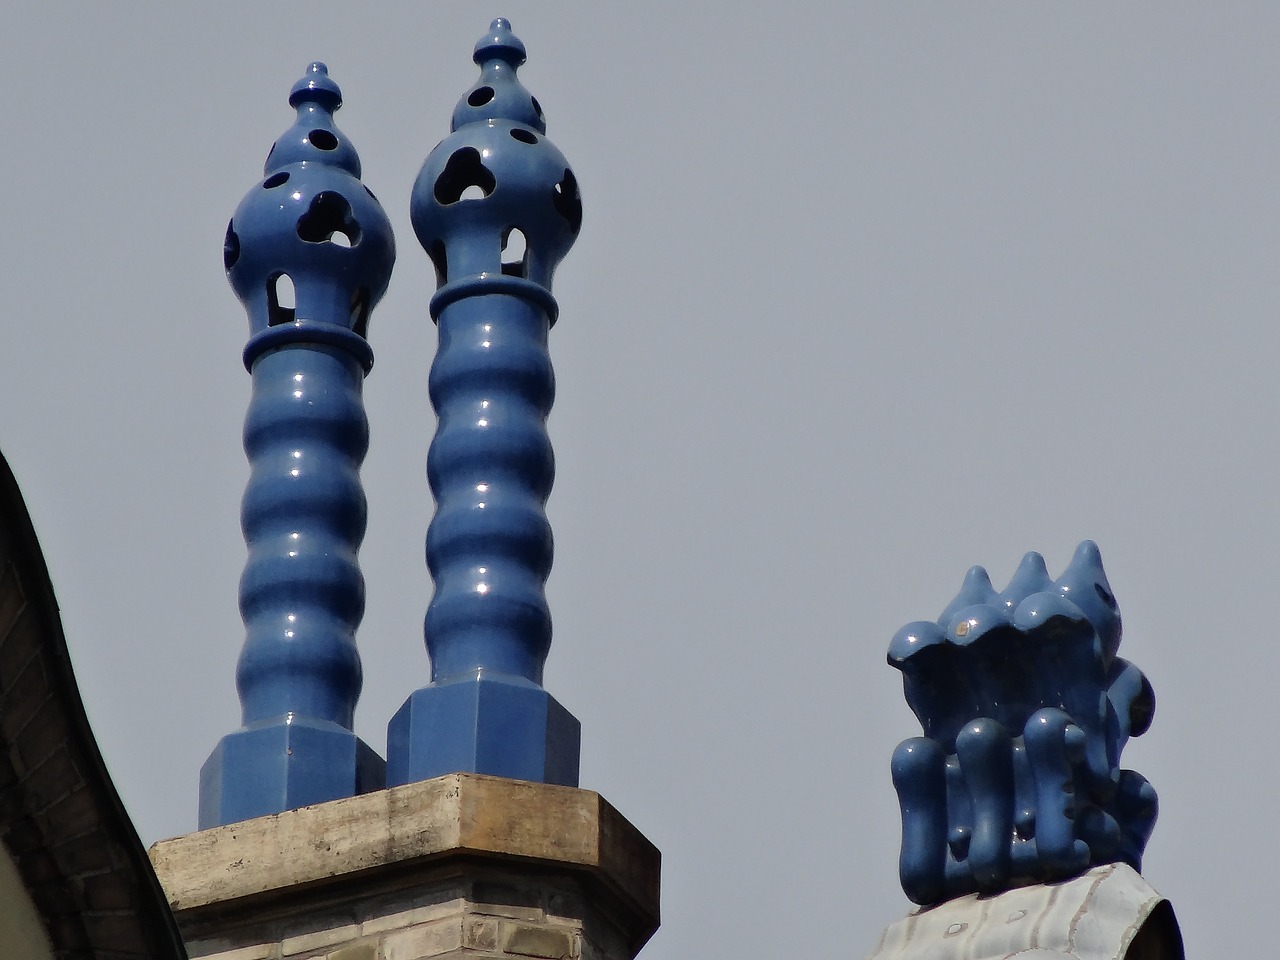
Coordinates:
562	828
1097	915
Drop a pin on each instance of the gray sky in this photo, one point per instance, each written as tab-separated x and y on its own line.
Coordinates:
863	296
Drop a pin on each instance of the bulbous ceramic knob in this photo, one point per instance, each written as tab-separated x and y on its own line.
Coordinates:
313	222
496	175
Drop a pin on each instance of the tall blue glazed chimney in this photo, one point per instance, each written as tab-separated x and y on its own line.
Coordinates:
309	252
496	207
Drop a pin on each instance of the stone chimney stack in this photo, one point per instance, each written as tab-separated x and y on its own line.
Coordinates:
481	845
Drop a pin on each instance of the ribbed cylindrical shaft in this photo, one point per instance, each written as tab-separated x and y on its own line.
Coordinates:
491	467
303	516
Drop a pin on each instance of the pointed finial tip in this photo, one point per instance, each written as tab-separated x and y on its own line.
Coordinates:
500	44
1032	566
316	87
1088	551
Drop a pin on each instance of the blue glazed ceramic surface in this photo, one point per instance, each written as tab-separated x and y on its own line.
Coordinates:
309	252
496	207
1025	708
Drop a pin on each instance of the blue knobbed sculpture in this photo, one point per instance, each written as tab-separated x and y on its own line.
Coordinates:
1025	709
494	184
310	226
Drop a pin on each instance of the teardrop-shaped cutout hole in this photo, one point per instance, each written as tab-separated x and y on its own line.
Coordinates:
360	312
515	253
439	260
230	246
568	202
281	299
